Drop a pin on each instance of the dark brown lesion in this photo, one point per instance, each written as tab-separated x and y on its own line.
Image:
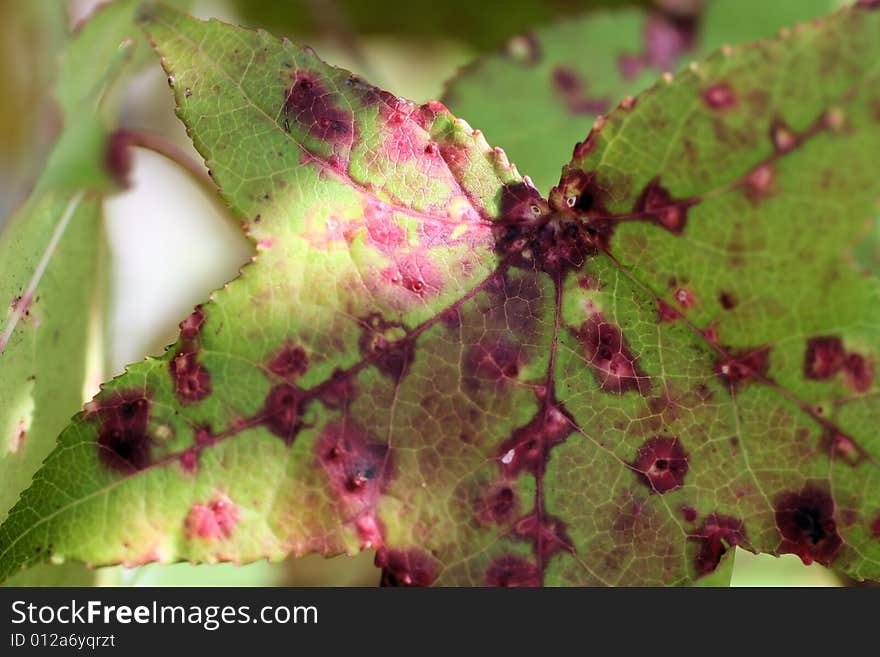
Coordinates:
124	443
192	380
289	362
661	463
308	102
716	536
806	523
740	366
825	358
411	567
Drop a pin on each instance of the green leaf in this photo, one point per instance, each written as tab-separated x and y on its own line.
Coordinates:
50	254
428	359
548	86
485	26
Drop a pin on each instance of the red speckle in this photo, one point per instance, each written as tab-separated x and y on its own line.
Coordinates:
512	571
456	158
191	327
661	464
689	513
742	366
759	182
685	298
614	367
123	441
356	466
382	229
711	333
407	567
204	437
717	535
426	114
547	534
529	446
784	140
417	273
875	527
282	412
824	357
720	97
665	312
312	105
189	460
868	4
842	447
369	528
656	203
806	522
859	372
212	521
589	282
192	381
290	361
499	505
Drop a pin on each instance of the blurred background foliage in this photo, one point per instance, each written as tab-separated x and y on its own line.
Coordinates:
409	47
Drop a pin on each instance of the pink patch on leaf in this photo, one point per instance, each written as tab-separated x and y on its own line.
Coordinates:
720	97
212	521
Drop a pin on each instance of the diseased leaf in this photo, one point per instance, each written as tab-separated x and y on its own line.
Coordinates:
670	356
552	83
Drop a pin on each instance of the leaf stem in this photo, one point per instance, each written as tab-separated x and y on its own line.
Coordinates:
155	142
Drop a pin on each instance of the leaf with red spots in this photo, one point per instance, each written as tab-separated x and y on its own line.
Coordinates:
545	88
428	359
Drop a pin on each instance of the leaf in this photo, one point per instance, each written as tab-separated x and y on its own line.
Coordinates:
49	259
549	85
427	358
31	37
485	26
